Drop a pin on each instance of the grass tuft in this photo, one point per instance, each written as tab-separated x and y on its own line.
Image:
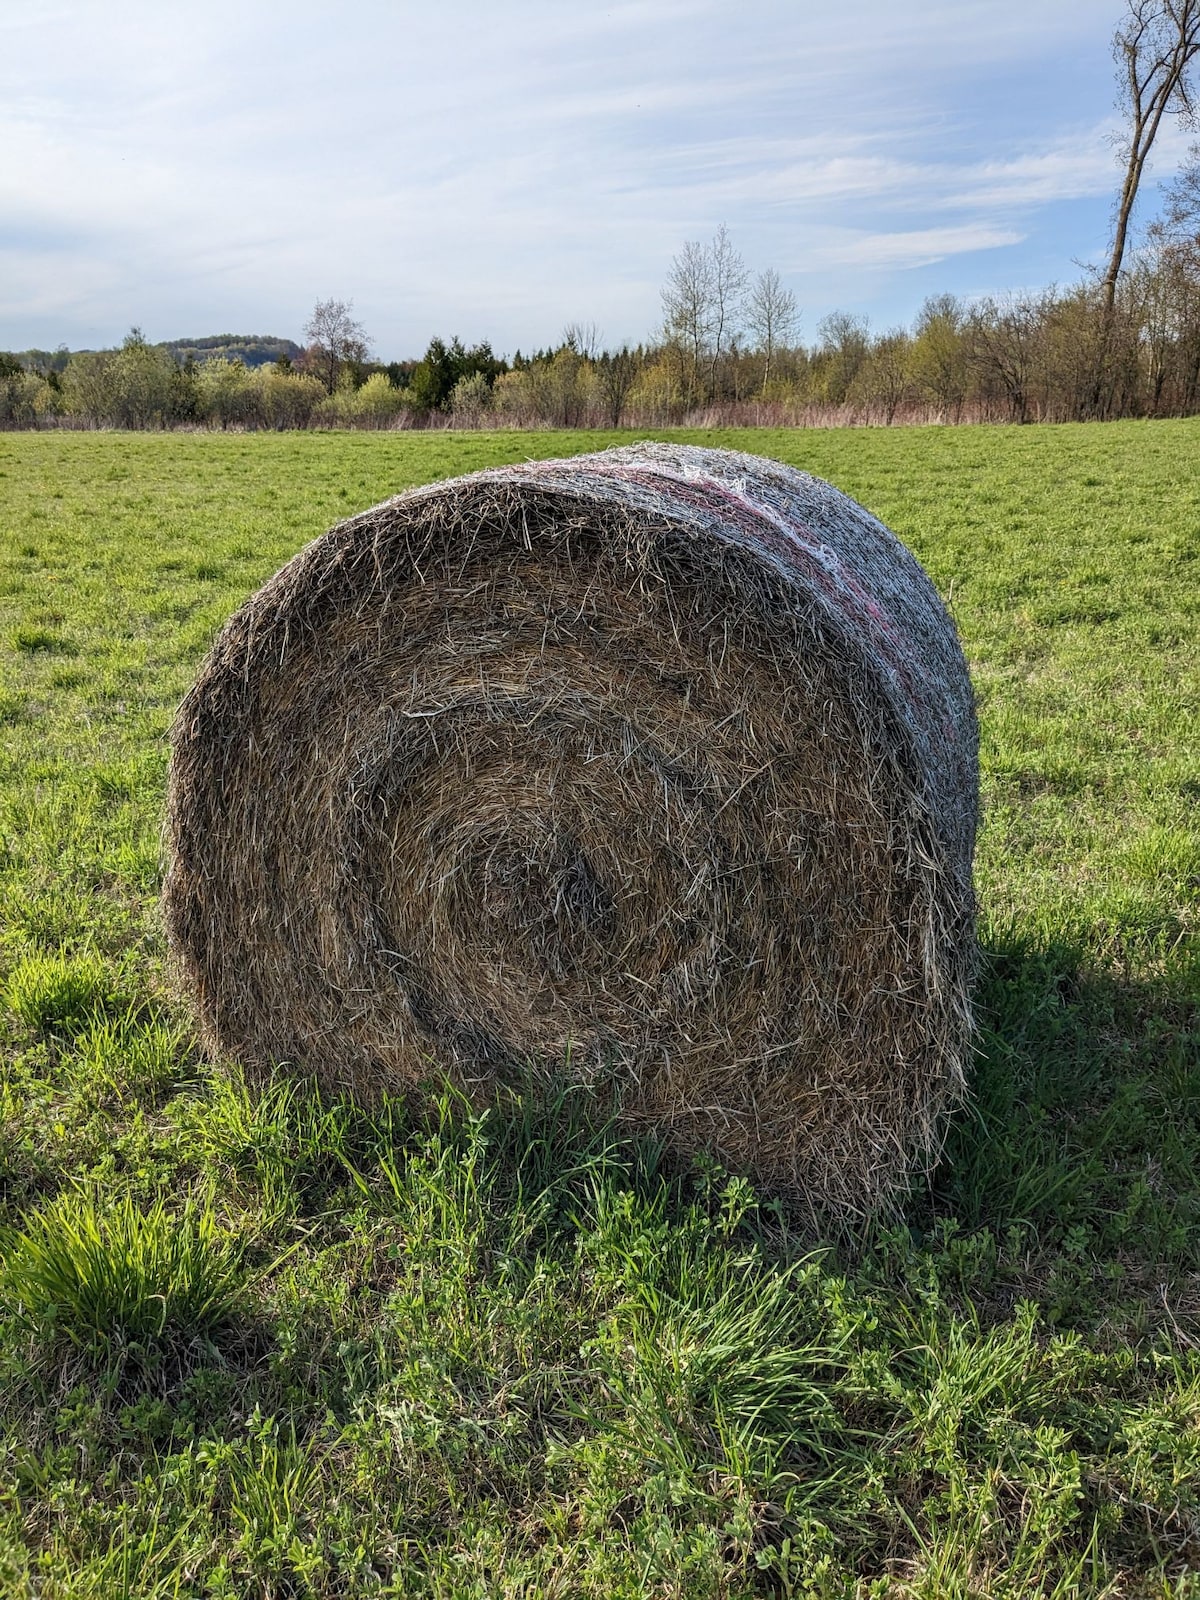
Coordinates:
96	1272
62	994
32	639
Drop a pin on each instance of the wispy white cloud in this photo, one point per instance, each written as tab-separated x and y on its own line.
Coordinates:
918	247
499	170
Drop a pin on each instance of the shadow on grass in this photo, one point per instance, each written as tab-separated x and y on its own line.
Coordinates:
1083	1122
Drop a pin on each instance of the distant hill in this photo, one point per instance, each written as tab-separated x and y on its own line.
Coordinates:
252	349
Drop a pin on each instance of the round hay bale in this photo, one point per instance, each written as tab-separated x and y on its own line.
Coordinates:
655	768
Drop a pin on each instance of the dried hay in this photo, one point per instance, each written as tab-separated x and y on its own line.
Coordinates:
656	767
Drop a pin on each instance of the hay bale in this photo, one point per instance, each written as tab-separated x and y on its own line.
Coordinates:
656	767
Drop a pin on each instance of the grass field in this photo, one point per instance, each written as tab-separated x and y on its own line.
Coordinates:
269	1346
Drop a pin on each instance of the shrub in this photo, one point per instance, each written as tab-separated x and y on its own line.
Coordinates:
471	400
225	393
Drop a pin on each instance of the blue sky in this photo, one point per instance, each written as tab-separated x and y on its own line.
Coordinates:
499	170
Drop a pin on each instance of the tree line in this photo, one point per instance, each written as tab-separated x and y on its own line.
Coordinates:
1017	358
1123	342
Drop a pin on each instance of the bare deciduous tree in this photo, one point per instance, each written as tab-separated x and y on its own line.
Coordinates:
1005	338
583	338
702	305
687	308
616	374
772	317
728	278
1174	280
336	337
1154	49
1181	219
845	341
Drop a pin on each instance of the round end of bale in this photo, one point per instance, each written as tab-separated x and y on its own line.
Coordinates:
656	769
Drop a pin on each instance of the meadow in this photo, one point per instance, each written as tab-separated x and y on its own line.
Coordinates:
262	1344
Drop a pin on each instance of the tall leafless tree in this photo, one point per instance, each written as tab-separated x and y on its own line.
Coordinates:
1175	253
336	338
772	317
1154	49
583	338
702	305
728	278
687	309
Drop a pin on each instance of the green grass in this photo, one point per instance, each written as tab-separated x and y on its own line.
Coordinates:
60	994
265	1345
98	1272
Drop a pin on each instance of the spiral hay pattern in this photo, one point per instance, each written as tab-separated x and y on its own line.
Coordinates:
656	768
